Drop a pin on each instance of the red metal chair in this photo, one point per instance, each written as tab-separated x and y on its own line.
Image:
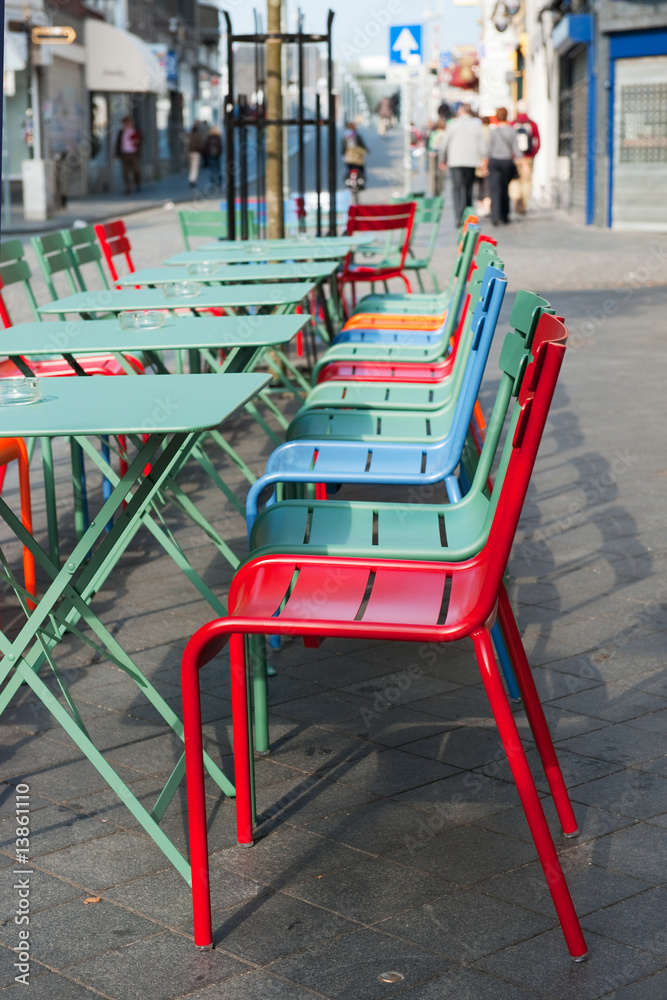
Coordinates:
319	596
12	449
114	242
379	219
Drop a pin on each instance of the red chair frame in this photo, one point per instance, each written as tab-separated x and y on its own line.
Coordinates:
114	242
396	600
378	219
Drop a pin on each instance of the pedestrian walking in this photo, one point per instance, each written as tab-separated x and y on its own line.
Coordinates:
434	145
502	151
384	110
354	150
213	153
528	140
128	151
195	150
463	152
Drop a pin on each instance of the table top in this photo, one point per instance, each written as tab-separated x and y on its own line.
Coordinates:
94	336
257	271
301	239
99	405
249	253
222	296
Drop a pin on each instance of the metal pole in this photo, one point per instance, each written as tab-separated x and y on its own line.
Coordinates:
302	150
243	164
274	133
318	164
230	152
331	136
6	193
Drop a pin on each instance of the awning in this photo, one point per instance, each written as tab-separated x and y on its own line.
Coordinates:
573	29
16	52
120	62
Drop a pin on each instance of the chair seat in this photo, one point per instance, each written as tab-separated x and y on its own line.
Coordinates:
405	336
92	364
366	272
399	321
371	424
375	530
388	395
383	371
372	598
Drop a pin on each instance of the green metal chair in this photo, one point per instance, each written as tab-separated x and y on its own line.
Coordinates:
212	225
422	245
63	253
15	270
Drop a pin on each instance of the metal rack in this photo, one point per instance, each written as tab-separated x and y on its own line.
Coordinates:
240	123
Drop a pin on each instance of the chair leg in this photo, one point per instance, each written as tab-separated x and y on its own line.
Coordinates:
528	794
434	277
242	777
26	519
535	713
257	651
194	776
505	663
407	283
420	282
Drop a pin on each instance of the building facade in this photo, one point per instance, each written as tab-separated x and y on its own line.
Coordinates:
596	82
157	60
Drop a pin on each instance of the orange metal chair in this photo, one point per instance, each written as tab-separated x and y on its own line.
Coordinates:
14	449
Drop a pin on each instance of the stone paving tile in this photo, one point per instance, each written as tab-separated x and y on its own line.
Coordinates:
46	891
464	747
543	964
619	744
287	855
467	924
390	771
72	931
401	686
591	885
124	972
632	793
592	823
638	921
166	896
612	702
110	860
463	798
465	855
274	926
468	984
348	968
44	985
654	988
371	890
251	986
577	768
58	827
377	827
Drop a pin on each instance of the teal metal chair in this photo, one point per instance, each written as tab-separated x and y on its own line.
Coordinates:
424	237
211	225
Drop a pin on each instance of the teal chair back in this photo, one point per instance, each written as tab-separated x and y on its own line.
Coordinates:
14	270
212	225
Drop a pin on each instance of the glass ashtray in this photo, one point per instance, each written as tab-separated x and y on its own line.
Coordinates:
147	319
202	267
181	289
17	391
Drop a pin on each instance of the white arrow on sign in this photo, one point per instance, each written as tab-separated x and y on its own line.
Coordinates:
406	44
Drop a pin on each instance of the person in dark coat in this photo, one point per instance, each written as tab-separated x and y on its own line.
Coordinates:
213	153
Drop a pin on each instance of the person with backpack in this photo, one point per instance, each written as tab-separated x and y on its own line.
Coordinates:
528	141
212	153
354	150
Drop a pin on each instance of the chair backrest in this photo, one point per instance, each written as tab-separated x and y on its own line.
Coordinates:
212	225
535	389
54	256
14	270
393	219
114	242
428	214
85	248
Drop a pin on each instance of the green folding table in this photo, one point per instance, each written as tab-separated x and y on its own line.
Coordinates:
171	415
274	298
246	339
267	272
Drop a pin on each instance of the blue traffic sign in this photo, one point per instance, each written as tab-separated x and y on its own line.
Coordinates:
405	44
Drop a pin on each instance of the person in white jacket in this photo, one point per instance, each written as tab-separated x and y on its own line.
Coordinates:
463	152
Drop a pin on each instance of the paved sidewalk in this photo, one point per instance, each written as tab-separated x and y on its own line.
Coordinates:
391	838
